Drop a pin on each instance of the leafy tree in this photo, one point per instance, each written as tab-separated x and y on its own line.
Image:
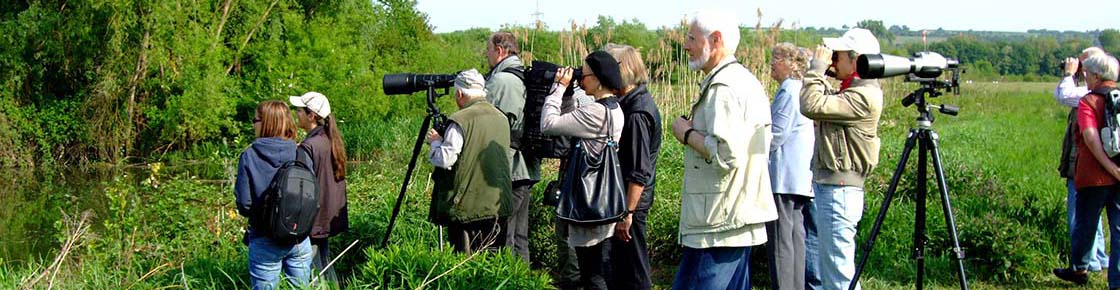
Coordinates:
876	27
1110	40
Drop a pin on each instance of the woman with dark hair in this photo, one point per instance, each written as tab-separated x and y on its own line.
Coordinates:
594	124
328	156
273	147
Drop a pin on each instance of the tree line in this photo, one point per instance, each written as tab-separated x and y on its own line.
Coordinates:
126	81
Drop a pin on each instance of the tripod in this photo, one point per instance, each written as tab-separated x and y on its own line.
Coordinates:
436	119
926	140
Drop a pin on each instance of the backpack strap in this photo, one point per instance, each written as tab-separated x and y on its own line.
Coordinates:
303	154
516	71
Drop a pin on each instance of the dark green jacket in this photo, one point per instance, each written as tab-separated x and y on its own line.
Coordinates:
478	186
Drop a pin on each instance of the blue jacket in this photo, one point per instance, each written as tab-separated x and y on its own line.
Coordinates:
256	167
791	150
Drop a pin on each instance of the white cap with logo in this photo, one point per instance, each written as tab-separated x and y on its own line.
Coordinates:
856	39
314	101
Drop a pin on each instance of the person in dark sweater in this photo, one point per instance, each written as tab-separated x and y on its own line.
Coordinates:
258	164
328	156
638	151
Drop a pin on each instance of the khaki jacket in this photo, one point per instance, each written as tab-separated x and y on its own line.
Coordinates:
847	136
727	198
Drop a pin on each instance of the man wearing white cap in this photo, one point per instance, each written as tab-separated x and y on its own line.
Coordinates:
846	150
473	190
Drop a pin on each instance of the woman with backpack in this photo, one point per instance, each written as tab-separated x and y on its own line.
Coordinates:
328	155
273	147
598	125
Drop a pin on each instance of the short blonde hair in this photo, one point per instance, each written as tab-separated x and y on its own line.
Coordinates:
796	57
630	64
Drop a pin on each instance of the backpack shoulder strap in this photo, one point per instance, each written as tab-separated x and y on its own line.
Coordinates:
515	71
303	154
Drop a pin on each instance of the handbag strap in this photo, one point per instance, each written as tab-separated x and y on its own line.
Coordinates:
610	119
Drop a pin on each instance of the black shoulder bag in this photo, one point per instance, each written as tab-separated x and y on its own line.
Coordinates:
591	192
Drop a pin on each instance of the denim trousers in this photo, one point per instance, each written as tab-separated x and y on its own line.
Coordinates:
266	259
1090	202
1098	259
714	268
838	211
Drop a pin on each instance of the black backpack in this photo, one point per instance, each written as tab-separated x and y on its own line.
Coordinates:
287	208
538	82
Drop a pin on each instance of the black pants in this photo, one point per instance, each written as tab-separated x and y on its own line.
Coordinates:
593	266
473	236
630	260
517	227
566	256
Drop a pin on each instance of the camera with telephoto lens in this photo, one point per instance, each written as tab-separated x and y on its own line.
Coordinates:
407	83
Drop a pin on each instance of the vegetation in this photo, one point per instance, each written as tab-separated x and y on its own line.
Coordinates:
172	86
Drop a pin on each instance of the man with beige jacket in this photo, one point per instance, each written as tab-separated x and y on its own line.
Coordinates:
846	149
726	199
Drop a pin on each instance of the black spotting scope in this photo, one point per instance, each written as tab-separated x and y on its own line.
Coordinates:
924	64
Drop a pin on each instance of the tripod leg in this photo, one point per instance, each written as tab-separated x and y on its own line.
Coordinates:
948	210
885	205
920	209
407	177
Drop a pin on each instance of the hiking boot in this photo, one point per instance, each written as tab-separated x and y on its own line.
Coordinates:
1077	277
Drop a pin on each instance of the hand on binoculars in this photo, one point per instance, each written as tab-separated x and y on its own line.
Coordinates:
823	53
564	76
1071	66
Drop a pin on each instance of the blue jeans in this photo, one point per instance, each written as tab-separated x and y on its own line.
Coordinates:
838	211
1098	259
1090	202
714	268
266	258
812	279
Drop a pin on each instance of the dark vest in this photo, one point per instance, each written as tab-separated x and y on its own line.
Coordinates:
639	102
1069	147
478	186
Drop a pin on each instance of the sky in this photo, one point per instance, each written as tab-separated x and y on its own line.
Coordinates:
453	15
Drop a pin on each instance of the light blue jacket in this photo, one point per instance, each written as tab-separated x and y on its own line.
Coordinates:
791	149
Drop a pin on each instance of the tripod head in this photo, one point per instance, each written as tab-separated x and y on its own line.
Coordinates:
931	87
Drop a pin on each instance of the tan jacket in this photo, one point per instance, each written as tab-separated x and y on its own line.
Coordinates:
727	199
847	137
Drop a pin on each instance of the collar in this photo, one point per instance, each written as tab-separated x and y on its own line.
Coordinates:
719	66
846	83
509	61
473	102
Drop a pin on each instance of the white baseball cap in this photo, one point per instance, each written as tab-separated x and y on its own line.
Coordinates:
314	101
856	39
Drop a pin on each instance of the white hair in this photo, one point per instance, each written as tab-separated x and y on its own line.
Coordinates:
1092	50
1103	65
724	22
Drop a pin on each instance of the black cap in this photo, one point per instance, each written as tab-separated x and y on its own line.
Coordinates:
605	68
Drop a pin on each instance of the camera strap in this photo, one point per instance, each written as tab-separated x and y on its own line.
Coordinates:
704	90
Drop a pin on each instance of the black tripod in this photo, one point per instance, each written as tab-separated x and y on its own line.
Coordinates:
926	139
434	118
